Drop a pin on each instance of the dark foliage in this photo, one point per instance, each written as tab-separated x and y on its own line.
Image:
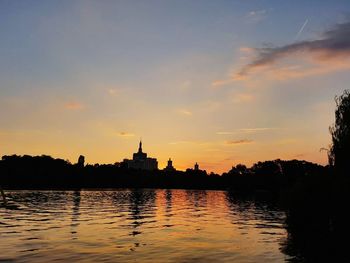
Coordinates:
339	154
45	172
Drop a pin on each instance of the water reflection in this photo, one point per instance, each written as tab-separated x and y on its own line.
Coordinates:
197	198
263	210
168	199
142	205
143	225
314	236
75	213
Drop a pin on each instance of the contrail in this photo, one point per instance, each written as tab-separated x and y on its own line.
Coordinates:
301	29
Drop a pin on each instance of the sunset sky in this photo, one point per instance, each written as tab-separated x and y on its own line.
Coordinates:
213	82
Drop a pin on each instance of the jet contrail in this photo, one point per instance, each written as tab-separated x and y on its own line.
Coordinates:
301	29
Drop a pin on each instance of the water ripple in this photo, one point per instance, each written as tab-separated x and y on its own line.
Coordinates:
119	225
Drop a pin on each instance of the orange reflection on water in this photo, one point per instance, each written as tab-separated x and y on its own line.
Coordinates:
142	225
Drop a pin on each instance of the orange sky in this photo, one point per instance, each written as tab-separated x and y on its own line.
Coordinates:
215	83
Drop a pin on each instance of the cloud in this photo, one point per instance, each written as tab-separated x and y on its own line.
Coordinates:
254	130
224	133
236	142
180	142
126	134
217	83
199	143
74	106
245	130
185	112
322	56
248	50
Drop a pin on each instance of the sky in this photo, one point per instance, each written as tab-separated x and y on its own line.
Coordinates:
214	82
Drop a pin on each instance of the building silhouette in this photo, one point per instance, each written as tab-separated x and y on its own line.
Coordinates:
170	166
81	161
196	170
141	161
196	167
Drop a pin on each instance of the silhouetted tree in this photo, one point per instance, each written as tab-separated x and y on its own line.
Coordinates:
239	169
267	168
339	154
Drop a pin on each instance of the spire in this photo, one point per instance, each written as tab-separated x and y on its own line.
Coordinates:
140	146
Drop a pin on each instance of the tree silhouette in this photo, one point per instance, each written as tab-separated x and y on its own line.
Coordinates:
339	154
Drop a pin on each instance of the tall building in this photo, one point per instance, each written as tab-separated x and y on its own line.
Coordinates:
141	161
170	166
196	167
81	161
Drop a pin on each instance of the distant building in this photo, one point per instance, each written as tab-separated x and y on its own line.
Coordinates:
196	167
141	161
81	161
170	166
196	170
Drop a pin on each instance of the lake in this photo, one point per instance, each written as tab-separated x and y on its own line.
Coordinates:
142	225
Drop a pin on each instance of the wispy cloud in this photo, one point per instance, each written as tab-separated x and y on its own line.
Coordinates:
198	143
242	141
246	130
218	83
74	106
180	142
326	54
185	112
126	134
300	155
253	130
224	133
247	49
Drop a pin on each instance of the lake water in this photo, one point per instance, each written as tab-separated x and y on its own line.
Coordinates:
140	226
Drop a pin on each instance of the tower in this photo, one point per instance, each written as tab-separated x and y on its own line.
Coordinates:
140	156
140	147
170	166
196	167
81	161
141	161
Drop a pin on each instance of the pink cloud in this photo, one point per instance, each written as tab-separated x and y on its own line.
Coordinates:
327	54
